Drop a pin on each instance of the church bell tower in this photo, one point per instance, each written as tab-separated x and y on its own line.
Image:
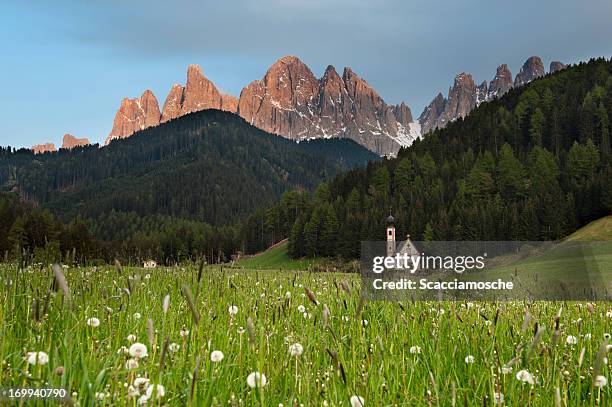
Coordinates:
391	236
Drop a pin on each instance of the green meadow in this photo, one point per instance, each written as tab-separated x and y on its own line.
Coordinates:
111	335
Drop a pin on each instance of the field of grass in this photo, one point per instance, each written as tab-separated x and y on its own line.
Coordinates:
601	229
276	258
404	354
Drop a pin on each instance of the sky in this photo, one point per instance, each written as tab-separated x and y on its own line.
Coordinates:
66	65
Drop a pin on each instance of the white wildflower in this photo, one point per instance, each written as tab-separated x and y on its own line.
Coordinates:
469	359
524	376
357	401
256	379
131	364
37	358
233	310
216	356
156	389
571	340
133	391
93	322
415	349
138	350
600	381
296	349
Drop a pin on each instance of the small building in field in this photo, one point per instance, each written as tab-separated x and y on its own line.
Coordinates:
392	249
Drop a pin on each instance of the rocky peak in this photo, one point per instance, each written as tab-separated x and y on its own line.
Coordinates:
43	148
200	93
556	66
173	105
402	113
481	92
289	81
135	115
532	69
432	113
462	97
501	83
70	141
290	101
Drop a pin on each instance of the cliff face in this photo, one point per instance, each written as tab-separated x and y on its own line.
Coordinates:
134	115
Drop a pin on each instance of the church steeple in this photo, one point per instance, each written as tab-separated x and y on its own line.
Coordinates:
391	235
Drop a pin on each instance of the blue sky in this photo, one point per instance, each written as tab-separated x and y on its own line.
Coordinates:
66	65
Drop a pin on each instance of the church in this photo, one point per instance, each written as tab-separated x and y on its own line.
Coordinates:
406	247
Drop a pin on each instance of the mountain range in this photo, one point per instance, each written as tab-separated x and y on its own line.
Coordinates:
291	102
465	94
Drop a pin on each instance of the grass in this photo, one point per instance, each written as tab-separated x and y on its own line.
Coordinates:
276	258
405	354
601	229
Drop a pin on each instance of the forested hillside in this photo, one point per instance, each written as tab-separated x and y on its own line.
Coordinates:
176	189
532	165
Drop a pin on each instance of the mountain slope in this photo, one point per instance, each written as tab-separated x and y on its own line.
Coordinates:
209	166
598	230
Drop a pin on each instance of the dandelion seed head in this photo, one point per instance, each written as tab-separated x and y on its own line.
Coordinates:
600	381
357	401
138	350
93	322
296	349
131	364
156	389
256	379
37	358
524	376
571	340
216	356
415	349
233	310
